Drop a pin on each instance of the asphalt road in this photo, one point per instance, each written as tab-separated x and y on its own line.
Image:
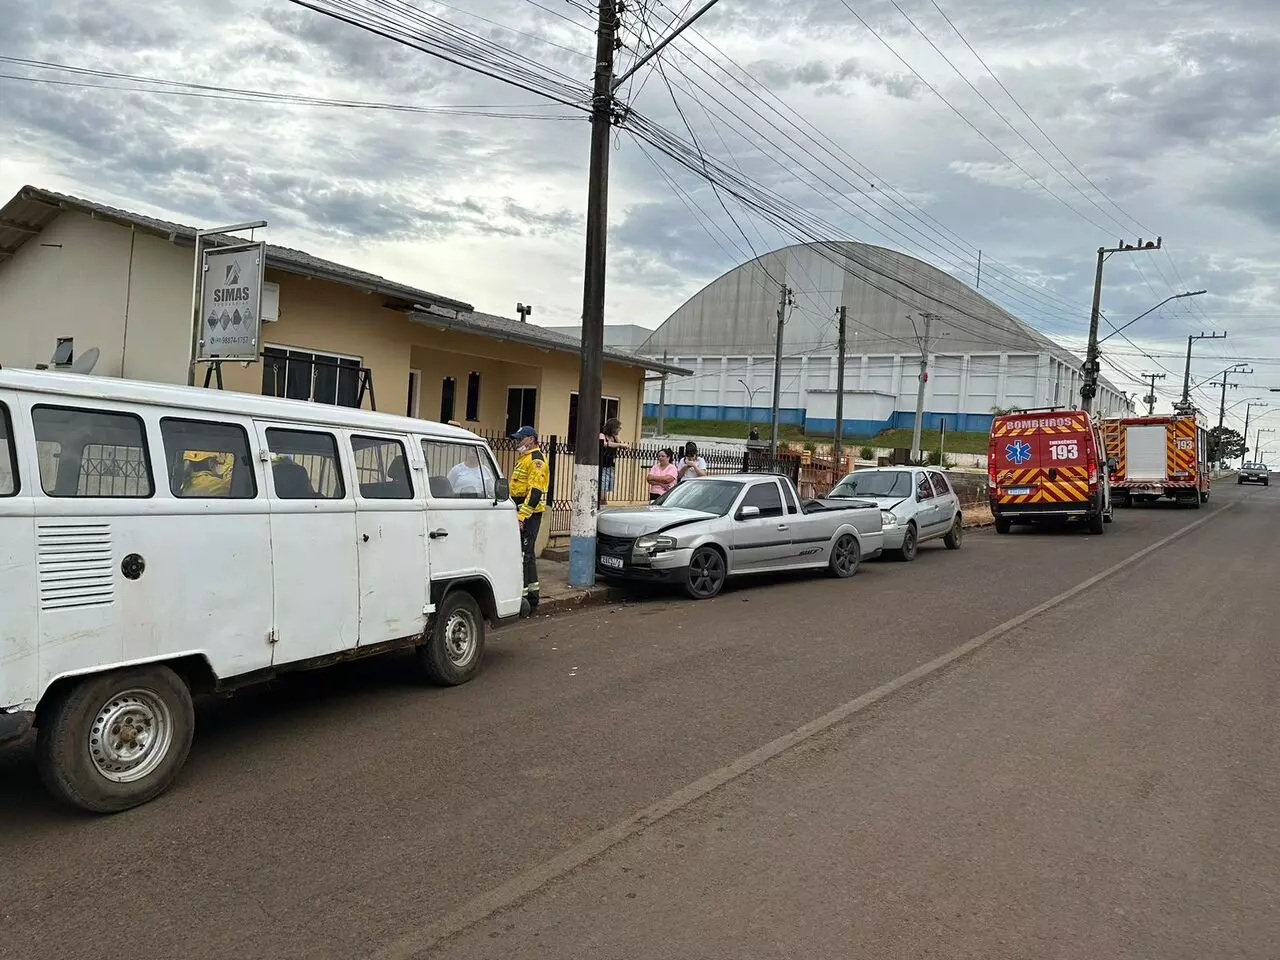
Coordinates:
1100	780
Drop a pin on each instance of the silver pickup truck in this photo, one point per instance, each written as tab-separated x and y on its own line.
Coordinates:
711	528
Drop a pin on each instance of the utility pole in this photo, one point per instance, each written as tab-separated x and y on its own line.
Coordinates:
662	400
978	284
1150	398
839	445
1222	408
1089	388
586	474
1257	444
784	299
1186	377
920	385
1248	409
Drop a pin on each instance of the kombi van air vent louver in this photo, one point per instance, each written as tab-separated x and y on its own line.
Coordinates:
74	565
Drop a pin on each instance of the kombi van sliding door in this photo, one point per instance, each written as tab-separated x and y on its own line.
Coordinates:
18	664
313	543
392	548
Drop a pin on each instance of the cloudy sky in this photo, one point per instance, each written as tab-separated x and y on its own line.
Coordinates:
876	118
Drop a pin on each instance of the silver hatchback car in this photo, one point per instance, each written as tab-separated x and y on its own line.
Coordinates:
916	504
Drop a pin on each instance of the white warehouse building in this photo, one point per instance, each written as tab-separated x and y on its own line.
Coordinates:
980	356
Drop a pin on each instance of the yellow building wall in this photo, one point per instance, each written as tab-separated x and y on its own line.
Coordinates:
327	317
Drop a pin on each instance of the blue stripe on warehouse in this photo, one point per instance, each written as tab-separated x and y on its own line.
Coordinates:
904	419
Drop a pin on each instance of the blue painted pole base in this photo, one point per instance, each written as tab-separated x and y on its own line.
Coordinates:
582	561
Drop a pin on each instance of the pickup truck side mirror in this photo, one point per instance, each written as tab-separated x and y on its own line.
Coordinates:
501	490
748	513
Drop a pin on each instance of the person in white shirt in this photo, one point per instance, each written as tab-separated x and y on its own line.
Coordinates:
466	478
690	465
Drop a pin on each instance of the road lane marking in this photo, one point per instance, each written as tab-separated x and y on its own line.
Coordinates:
417	942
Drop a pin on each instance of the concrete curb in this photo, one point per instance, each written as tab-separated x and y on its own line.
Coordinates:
586	597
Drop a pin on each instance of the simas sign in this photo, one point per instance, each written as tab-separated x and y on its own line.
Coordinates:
231	302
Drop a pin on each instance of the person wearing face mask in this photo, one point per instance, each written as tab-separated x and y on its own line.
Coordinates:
529	491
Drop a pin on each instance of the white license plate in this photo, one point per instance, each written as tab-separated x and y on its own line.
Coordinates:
614	562
1017	491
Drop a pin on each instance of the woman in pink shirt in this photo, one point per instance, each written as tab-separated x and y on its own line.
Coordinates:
662	475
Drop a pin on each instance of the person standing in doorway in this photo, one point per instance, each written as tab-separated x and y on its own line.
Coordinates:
529	491
690	465
662	475
609	444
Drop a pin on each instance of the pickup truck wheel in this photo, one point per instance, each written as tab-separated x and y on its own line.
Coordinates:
452	654
706	574
910	544
845	557
116	740
955	536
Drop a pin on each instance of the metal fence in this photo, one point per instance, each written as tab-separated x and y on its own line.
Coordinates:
630	472
813	476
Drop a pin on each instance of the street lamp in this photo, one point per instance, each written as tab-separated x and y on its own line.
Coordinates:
751	397
1176	296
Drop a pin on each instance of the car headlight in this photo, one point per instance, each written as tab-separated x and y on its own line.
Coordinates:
888	518
655	544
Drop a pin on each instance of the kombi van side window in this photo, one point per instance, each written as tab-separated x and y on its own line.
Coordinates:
91	453
381	469
8	457
458	470
208	461
305	465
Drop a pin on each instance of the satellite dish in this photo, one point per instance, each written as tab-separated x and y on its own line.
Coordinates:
84	363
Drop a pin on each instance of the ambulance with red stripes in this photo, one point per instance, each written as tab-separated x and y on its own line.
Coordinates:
1158	457
1048	465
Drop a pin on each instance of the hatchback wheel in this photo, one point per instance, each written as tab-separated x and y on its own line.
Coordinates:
955	536
910	544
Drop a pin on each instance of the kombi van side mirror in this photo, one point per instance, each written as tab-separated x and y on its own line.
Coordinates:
501	490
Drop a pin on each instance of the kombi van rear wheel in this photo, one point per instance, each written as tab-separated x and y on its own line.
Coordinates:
117	740
455	648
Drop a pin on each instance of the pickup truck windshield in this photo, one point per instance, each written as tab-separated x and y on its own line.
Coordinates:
874	483
707	496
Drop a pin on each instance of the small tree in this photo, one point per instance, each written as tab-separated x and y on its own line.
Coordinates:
1004	411
1225	444
867	453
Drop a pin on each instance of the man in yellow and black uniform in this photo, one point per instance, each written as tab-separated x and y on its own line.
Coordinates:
529	491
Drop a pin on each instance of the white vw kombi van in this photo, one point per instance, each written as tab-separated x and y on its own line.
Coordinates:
158	542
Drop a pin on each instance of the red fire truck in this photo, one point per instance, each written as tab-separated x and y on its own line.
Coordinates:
1158	457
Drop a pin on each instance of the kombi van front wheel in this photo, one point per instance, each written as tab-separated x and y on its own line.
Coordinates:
455	647
117	740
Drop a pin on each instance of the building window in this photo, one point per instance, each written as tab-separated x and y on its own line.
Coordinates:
522	406
473	396
308	375
608	410
415	391
208	460
448	394
90	453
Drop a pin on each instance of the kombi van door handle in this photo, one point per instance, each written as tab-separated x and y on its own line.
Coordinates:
438	534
